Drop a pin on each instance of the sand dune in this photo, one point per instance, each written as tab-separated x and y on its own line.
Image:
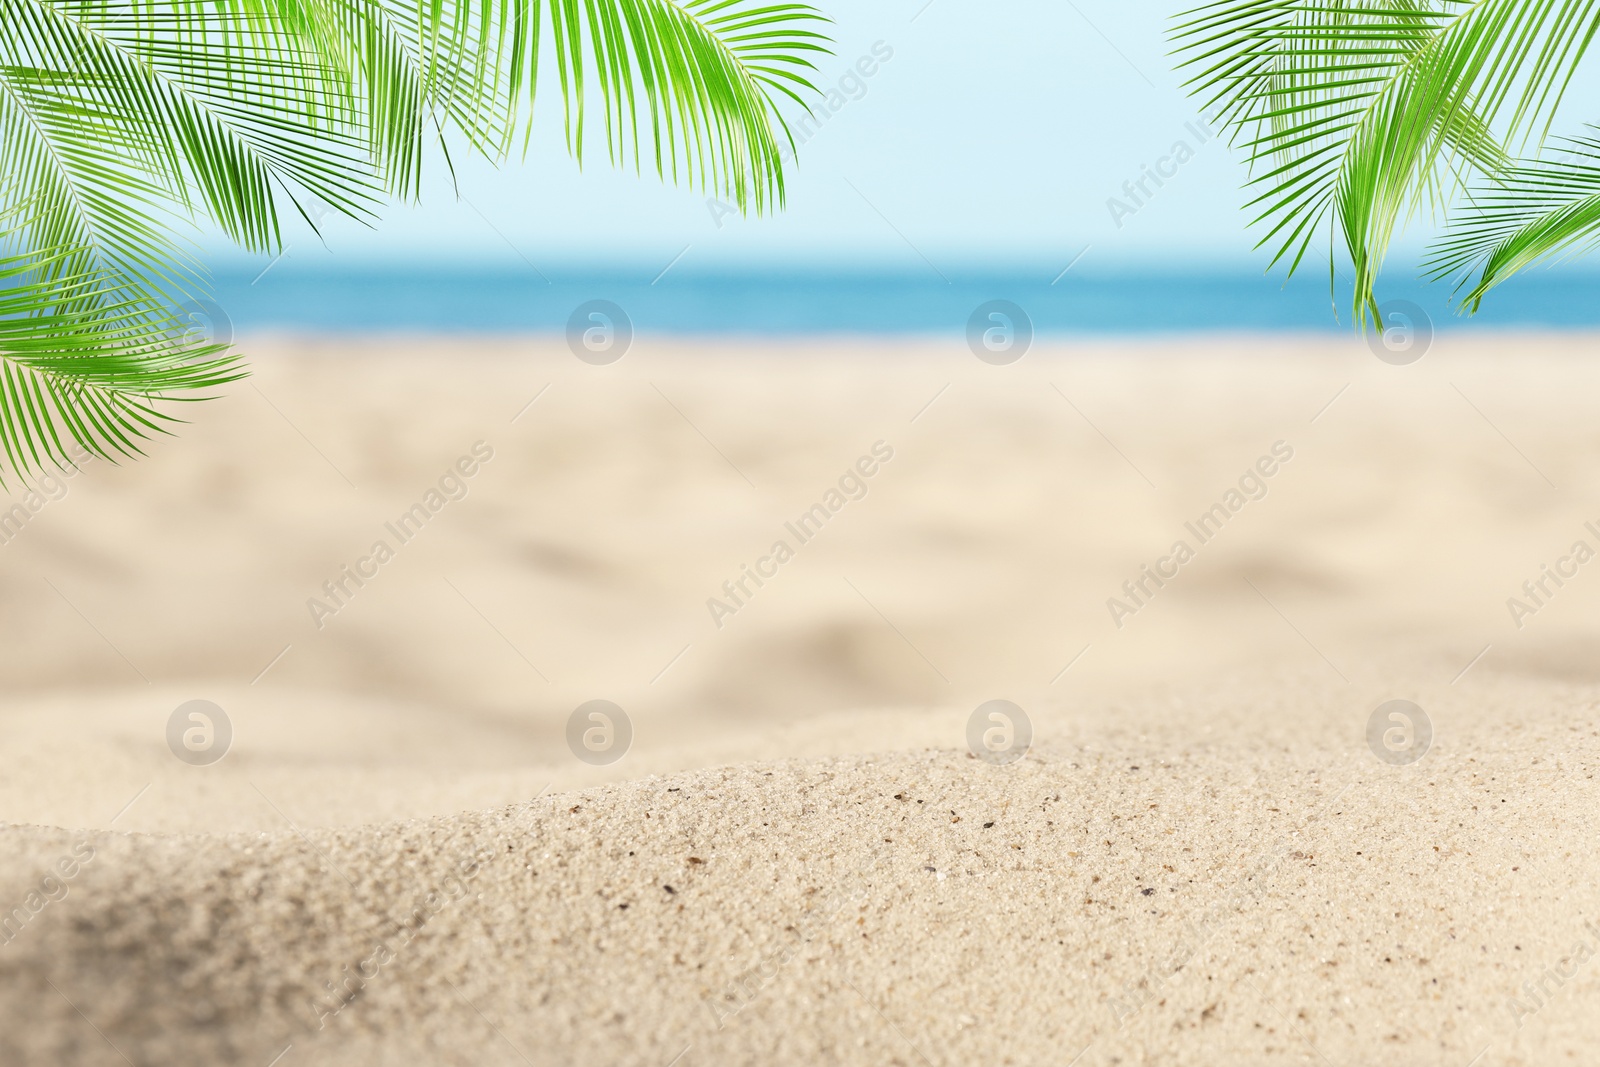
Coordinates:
1200	858
1171	894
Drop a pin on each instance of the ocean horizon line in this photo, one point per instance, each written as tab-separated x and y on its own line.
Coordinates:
804	302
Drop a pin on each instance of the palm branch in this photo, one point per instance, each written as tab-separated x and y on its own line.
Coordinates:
1535	211
78	363
124	124
1355	115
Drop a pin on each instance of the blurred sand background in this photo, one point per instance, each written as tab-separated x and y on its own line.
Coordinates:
1219	729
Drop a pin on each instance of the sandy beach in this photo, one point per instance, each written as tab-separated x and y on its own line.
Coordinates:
1199	567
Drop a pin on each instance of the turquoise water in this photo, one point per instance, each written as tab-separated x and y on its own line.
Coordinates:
798	302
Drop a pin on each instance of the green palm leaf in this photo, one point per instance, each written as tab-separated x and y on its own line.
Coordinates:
78	364
126	126
1357	114
1535	211
706	71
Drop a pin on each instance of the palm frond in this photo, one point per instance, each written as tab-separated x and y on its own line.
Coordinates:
704	72
1356	114
1534	212
123	125
79	364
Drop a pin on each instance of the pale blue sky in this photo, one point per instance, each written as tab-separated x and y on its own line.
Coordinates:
995	134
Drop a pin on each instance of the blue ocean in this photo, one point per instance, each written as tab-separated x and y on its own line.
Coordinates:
798	302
